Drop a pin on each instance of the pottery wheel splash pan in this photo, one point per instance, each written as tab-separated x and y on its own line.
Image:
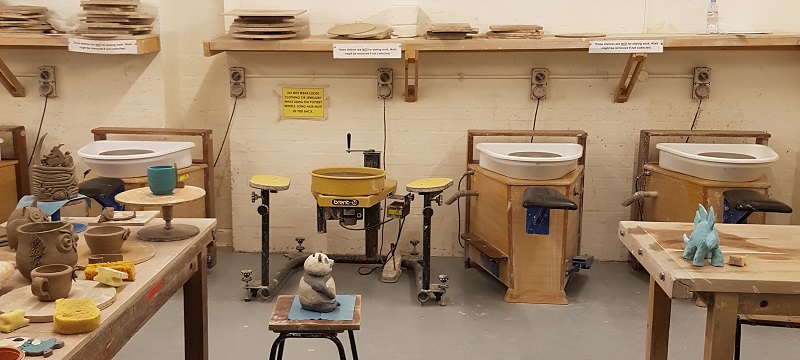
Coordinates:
347	181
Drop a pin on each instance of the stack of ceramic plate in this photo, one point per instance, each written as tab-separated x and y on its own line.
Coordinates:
450	31
515	32
113	18
23	19
264	24
361	31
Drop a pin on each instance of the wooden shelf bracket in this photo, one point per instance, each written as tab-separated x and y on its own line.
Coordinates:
632	68
10	81
412	89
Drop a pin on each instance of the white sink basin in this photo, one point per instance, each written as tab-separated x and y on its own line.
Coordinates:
720	162
536	161
124	159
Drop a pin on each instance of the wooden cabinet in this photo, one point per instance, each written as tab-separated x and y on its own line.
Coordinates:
534	267
8	188
679	195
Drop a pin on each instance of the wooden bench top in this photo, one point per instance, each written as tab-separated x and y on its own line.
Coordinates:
279	322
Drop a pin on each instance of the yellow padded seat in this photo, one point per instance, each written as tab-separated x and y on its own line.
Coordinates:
269	182
429	185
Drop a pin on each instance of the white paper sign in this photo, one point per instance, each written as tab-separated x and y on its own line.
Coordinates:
367	51
626	46
103	46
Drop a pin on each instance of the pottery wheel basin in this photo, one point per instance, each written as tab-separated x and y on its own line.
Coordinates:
347	181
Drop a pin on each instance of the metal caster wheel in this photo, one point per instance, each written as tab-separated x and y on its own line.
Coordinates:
263	293
423	297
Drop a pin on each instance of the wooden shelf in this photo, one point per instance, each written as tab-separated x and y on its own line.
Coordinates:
146	44
413	47
547	43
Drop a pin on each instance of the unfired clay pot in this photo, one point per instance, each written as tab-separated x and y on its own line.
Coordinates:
21	217
51	282
106	239
45	243
11	353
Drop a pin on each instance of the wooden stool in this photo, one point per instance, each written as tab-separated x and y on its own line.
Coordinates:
314	329
431	190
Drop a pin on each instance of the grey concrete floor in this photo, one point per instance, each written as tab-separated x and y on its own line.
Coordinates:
606	319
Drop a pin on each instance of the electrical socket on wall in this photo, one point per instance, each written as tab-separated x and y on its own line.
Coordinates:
539	79
47	81
701	83
385	87
237	79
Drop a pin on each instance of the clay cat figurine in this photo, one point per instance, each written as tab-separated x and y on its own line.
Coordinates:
703	243
317	288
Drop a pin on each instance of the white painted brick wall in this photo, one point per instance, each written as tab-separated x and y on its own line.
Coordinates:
179	87
427	138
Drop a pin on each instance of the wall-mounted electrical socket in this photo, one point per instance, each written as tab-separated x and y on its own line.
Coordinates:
385	87
237	78
47	81
701	83
539	79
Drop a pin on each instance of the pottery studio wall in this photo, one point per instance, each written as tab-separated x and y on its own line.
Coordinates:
178	87
751	90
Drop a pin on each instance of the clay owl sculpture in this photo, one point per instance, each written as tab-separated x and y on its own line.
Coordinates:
317	288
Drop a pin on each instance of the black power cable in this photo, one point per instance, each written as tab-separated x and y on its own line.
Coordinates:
535	115
224	138
694	122
389	255
39	132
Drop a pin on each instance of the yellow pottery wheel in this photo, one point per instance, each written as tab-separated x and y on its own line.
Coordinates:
347	181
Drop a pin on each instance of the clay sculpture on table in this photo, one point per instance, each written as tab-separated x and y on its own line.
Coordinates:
33	347
317	288
19	217
703	243
54	179
45	244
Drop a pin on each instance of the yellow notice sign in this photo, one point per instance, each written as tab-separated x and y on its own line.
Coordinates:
303	102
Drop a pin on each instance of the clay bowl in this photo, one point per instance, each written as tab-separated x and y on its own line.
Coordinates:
106	239
10	353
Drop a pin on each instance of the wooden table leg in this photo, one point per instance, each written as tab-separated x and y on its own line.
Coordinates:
721	326
195	312
659	310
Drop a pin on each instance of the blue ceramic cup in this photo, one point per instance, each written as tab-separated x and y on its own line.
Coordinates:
161	179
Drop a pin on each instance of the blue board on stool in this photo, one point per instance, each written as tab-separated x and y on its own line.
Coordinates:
343	313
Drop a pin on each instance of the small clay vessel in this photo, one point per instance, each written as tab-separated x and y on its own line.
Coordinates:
51	282
45	243
106	239
19	217
11	353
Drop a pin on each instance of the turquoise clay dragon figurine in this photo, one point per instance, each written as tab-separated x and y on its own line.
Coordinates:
703	243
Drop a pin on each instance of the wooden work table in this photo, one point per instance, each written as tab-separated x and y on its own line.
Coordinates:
769	285
176	265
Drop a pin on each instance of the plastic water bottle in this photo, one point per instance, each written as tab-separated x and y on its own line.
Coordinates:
712	18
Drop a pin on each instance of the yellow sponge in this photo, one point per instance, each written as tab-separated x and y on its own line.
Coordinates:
125	266
75	316
13	320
